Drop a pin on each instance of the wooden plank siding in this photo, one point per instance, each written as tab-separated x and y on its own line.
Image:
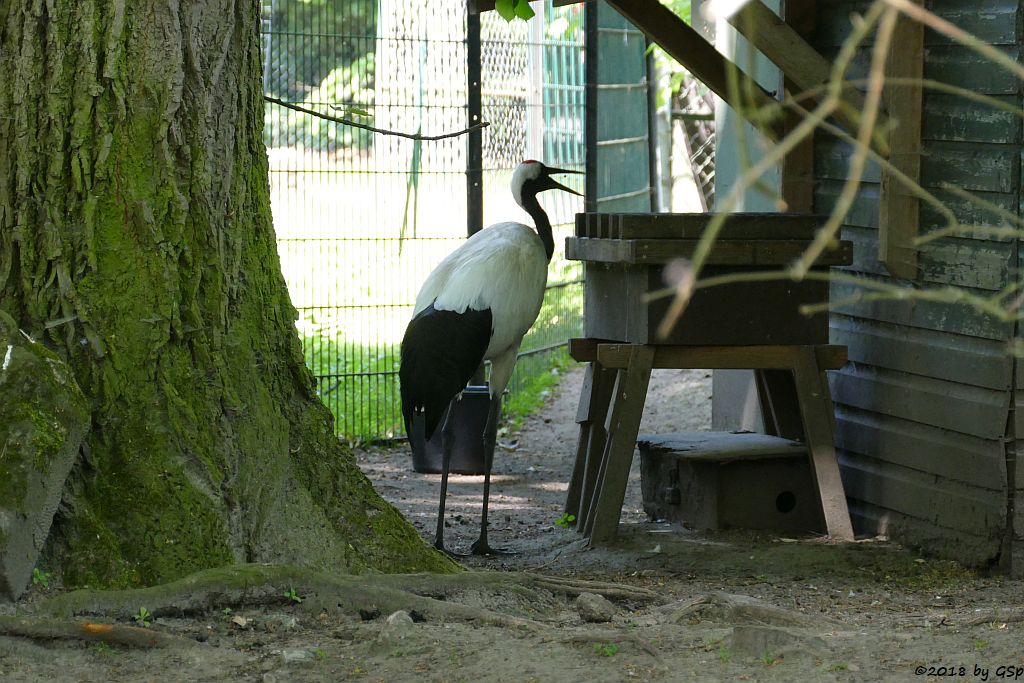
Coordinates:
922	408
979	264
920	352
994	21
966	459
966	547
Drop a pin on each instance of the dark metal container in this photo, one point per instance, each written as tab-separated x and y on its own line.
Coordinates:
468	452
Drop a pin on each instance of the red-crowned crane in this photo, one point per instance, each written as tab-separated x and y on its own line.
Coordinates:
477	305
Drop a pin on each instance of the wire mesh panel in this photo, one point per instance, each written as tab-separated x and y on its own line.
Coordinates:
362	218
694	111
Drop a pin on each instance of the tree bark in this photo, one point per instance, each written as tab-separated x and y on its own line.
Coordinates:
136	241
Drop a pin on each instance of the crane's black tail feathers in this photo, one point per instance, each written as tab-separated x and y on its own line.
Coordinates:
440	352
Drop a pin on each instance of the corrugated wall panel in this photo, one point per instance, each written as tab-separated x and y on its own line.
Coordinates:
922	408
864	212
974	166
951	117
953	261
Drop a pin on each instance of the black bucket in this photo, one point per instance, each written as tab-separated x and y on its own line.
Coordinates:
468	451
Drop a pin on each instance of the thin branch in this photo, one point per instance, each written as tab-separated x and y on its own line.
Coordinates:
880	291
969	40
989	230
771	157
906	181
372	129
827	234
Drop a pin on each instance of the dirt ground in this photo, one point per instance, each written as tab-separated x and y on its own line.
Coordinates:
677	605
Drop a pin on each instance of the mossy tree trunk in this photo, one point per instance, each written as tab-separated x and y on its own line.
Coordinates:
136	241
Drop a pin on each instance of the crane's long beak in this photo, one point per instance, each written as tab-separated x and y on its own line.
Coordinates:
555	185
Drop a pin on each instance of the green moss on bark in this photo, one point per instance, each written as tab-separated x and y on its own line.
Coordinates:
134	210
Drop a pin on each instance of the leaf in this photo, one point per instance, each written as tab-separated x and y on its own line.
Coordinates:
523	10
506	8
357	111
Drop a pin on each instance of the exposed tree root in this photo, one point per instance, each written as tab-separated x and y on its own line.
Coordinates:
617	637
111	634
738	609
996	615
433	596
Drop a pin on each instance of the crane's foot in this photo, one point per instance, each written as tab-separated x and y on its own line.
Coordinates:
481	547
450	553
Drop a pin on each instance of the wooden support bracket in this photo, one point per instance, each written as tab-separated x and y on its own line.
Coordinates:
708	65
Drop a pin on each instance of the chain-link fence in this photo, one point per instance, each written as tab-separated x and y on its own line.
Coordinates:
361	218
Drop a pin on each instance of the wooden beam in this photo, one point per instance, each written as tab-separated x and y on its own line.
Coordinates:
801	63
723	252
898	215
829	357
700	57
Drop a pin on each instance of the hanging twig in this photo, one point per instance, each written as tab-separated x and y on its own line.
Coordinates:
372	129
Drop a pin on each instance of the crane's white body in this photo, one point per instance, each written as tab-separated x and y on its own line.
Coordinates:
502	268
477	305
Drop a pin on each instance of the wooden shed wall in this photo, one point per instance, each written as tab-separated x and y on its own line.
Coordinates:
923	407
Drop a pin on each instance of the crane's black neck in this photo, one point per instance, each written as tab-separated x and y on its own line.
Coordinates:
532	207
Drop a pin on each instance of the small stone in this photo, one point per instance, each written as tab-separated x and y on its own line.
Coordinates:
756	640
293	656
594	608
398	618
397	626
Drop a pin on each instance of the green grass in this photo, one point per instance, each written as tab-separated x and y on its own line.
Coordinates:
354	281
359	381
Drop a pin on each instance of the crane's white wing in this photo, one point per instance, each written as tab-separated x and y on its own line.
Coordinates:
502	268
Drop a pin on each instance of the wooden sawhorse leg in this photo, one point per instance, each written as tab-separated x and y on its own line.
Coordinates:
601	521
595	399
818	415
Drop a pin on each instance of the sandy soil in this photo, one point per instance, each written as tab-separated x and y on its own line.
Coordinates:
719	606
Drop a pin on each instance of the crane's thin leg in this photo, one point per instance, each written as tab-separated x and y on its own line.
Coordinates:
480	547
447	443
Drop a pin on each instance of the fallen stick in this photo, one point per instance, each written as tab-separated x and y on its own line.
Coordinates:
91	631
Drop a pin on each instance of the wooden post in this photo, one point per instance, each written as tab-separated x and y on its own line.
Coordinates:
798	166
898	217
